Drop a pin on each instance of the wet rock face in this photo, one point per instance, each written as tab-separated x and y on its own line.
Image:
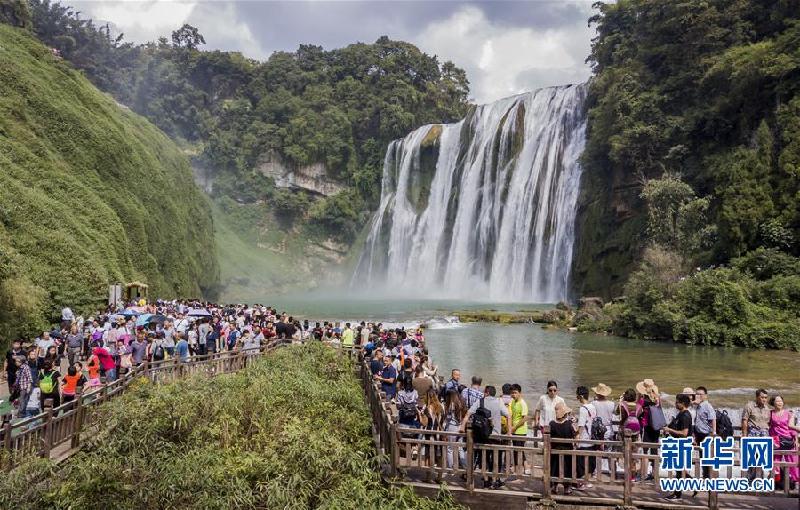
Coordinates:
313	178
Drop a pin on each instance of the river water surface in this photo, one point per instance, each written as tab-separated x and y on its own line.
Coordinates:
529	355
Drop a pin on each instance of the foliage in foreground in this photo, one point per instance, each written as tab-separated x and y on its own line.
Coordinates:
292	431
90	194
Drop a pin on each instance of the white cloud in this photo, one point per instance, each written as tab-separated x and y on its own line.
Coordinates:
505	60
147	20
221	28
140	21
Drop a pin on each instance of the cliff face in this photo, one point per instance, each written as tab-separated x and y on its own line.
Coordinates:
90	194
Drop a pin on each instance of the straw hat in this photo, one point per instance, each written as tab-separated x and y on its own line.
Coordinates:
602	389
648	387
562	410
688	391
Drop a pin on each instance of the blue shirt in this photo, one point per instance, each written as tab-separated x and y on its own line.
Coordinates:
389	388
182	349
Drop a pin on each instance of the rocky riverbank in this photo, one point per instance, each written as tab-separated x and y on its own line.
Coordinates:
591	314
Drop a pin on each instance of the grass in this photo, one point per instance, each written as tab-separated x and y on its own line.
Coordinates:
90	194
290	432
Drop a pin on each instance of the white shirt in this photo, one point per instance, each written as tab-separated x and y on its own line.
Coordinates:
547	409
586	414
66	314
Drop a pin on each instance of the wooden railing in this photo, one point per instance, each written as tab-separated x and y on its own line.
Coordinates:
64	427
418	455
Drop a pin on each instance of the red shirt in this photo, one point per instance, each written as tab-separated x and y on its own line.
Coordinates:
106	360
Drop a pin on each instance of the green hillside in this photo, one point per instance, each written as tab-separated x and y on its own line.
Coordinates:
90	193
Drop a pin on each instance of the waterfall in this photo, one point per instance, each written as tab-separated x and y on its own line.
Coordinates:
483	209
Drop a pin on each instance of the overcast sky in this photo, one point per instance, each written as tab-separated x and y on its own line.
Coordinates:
506	47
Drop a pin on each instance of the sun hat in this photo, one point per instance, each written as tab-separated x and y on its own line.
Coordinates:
602	389
688	391
562	410
648	387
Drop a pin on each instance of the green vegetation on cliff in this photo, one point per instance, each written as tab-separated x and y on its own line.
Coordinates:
90	194
291	431
709	90
337	107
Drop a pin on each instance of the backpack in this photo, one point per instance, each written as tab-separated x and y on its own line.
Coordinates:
481	424
724	425
46	383
598	429
407	411
158	354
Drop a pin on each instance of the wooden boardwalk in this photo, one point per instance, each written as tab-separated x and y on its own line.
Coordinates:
419	458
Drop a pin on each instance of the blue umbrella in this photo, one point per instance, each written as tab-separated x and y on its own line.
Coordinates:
143	319
130	312
150	318
199	312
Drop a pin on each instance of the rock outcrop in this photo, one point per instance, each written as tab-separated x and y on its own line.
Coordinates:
313	178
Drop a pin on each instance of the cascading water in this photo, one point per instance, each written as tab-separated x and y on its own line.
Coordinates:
485	208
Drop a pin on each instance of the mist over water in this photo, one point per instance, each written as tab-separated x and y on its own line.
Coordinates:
484	208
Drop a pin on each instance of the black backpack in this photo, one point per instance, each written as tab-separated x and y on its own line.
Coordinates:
724	425
598	429
407	411
481	424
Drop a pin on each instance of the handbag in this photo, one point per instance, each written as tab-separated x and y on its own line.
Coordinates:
657	419
785	443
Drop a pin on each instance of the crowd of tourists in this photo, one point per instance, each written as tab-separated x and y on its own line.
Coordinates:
84	352
408	377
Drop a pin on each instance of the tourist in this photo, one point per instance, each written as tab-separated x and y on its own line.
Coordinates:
498	411
376	364
106	363
387	378
169	337
630	410
407	405
181	347
72	381
43	344
606	409
74	342
36	365
472	394
347	336
755	423
519	425
454	412
431	369
67	318
561	427
49	383
94	369
138	349
705	420
586	415
783	429
422	383
35	404
157	348
679	427
545	410
452	384
650	397
10	364
22	385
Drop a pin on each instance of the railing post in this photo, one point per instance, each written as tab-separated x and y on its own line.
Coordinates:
48	428
78	420
7	440
627	462
394	441
470	460
546	449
